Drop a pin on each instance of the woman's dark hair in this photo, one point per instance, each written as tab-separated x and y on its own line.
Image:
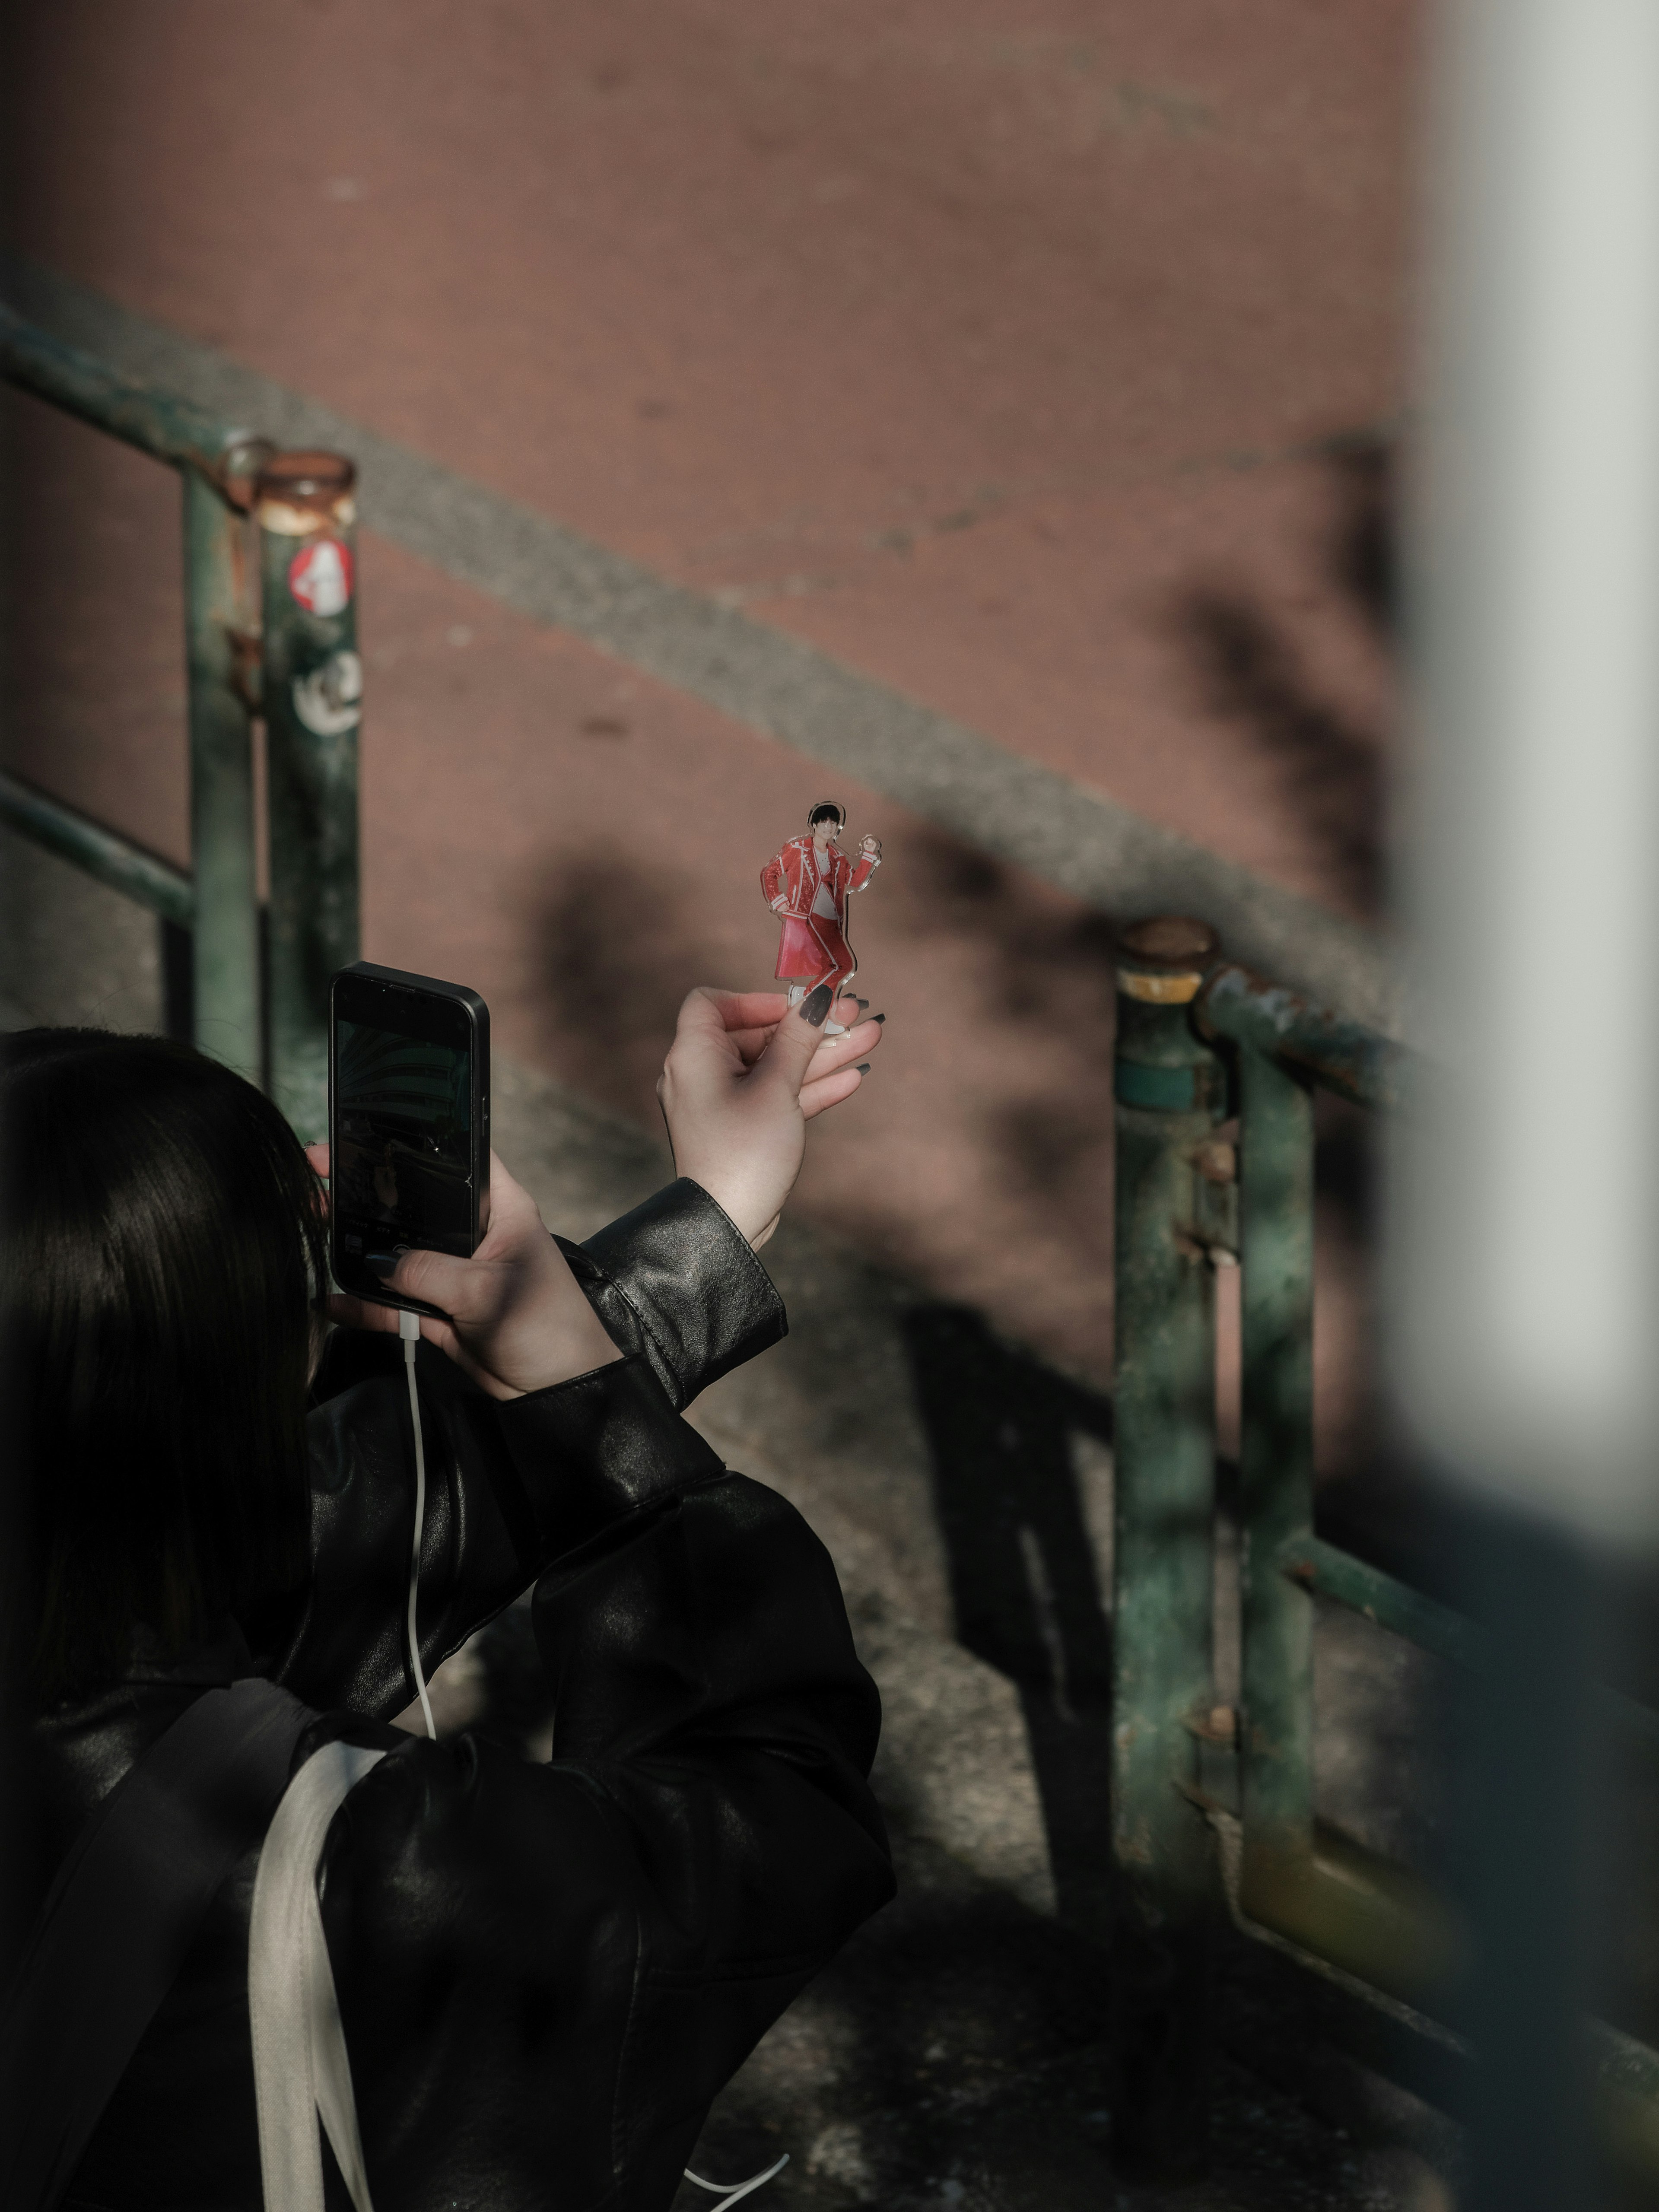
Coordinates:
161	1246
827	811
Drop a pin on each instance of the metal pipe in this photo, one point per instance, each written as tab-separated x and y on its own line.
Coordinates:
157	422
115	861
1171	1090
1315	1564
1337	1575
312	685
1345	1057
225	992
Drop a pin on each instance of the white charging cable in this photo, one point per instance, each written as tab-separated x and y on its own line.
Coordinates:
727	2192
408	1328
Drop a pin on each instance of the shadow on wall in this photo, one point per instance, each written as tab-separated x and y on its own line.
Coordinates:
1332	764
1052	974
616	951
1025	1581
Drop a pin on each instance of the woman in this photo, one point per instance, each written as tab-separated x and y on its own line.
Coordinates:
545	1973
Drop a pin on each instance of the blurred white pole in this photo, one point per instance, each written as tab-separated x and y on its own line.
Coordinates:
1525	1343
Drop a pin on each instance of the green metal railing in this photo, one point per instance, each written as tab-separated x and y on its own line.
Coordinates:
285	650
1199	1042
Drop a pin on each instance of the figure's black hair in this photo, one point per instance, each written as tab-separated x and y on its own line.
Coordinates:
827	811
161	1246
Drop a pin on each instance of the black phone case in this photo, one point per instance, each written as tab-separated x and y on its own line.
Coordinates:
349	1273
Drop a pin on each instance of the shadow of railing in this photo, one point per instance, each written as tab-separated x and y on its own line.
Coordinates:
1023	1561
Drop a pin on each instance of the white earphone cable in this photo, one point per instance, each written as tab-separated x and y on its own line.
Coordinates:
408	1328
728	2192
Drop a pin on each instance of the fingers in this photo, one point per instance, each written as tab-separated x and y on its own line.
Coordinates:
751	1042
436	1278
358	1313
705	1055
784	1063
788	1059
863	1039
512	1209
317	1159
827	1091
751	1017
752	1009
363	1313
348	1312
708	1008
839	1068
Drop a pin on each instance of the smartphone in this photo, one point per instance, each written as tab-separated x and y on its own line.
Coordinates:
408	1123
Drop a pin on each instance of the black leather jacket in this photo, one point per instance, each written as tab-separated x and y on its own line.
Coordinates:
545	1972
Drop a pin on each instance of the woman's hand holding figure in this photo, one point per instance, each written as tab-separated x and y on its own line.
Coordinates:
744	1077
518	1318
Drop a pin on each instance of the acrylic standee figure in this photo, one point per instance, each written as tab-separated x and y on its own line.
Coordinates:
807	886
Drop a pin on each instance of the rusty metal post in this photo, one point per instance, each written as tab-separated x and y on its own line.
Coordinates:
1171	1090
225	980
311	690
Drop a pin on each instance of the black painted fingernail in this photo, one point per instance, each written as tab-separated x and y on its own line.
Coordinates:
383	1264
816	1005
863	1005
864	1067
877	1017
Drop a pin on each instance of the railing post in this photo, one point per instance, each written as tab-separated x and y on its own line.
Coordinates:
311	690
1276	1255
225	980
1171	1090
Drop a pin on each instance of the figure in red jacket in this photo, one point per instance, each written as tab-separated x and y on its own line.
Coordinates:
807	885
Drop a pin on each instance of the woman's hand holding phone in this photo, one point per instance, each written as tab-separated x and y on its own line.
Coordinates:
518	1318
744	1077
741	1080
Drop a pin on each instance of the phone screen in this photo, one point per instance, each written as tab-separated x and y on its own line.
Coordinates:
402	1171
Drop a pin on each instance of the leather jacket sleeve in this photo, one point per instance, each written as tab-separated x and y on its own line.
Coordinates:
681	1295
675	1279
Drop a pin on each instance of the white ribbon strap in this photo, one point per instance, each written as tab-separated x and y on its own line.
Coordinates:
299	2062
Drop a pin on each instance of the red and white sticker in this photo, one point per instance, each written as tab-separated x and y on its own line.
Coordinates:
320	576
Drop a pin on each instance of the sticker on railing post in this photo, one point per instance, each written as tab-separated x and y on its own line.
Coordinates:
329	701
320	576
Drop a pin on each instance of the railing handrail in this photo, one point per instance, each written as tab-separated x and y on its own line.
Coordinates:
275	634
118	861
158	422
1199	1041
1357	1063
1347	1580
